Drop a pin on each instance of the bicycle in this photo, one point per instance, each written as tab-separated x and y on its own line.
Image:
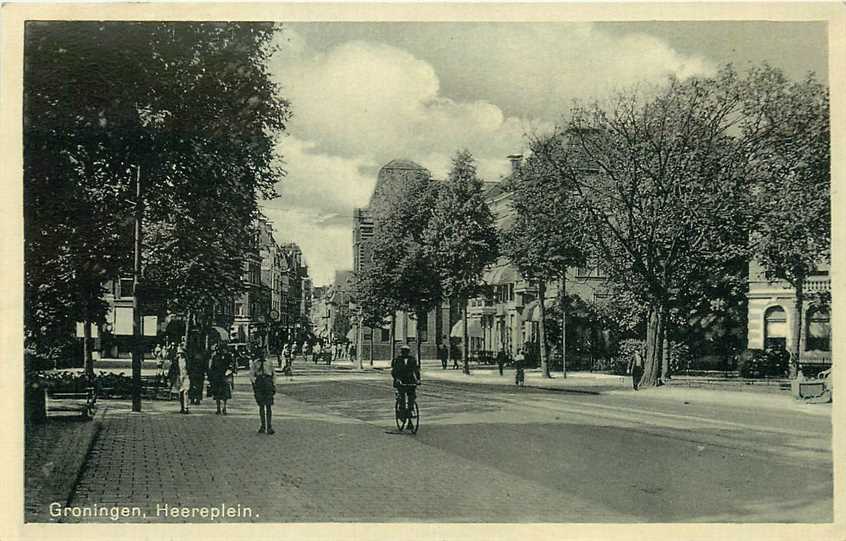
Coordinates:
403	414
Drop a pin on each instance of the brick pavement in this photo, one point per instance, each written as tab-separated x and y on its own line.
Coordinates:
54	454
320	465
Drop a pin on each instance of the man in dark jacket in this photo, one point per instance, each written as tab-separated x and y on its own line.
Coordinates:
405	371
443	354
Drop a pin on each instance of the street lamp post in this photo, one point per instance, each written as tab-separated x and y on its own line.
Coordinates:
137	351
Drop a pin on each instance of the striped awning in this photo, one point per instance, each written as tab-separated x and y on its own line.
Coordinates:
474	328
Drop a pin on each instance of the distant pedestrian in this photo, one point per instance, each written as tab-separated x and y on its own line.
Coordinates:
197	367
264	387
218	371
636	368
184	381
443	354
500	360
351	351
455	359
315	355
172	370
288	357
519	367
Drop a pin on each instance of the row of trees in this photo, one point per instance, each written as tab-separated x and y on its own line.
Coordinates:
672	190
191	108
431	243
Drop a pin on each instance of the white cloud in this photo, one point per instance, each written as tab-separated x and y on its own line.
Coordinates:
359	104
326	248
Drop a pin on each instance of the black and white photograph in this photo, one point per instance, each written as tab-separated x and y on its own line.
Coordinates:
448	271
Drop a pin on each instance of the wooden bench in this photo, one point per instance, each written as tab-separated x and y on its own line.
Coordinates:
81	401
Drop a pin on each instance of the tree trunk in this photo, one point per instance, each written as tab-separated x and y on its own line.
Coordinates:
393	335
654	342
87	356
372	331
187	326
449	331
564	324
466	352
665	348
796	344
542	330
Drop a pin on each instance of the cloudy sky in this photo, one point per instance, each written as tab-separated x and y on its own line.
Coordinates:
366	93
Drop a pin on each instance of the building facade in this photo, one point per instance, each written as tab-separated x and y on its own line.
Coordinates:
376	343
772	313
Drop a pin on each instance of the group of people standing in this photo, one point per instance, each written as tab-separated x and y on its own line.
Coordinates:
186	373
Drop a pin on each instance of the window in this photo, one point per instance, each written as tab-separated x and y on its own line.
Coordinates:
239	308
126	289
818	332
386	334
424	329
775	328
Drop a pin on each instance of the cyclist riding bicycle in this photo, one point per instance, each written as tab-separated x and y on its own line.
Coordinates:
405	371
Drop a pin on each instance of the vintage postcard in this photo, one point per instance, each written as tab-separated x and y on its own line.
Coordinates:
455	271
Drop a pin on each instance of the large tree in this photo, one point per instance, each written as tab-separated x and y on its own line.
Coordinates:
461	237
547	236
664	187
409	280
193	107
787	130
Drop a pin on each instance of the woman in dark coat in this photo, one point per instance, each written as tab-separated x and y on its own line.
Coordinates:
197	367
218	372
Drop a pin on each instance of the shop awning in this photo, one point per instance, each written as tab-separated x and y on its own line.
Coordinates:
502	275
221	333
474	328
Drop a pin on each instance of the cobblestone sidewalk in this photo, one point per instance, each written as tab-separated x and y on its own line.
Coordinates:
319	466
54	454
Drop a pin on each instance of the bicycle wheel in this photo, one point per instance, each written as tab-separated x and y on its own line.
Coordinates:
415	416
399	414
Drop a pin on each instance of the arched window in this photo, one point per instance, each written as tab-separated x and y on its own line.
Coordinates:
775	328
818	331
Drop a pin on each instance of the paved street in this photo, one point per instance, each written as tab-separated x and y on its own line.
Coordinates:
483	453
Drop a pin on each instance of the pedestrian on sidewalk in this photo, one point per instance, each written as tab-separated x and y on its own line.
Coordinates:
220	389
264	387
197	368
443	355
183	379
500	360
351	351
636	368
173	376
455	358
315	355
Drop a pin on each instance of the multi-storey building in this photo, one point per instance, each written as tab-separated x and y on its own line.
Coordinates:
435	327
772	312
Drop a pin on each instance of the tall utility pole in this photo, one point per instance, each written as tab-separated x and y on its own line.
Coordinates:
137	346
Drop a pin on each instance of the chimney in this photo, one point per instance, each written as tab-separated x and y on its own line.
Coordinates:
516	160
